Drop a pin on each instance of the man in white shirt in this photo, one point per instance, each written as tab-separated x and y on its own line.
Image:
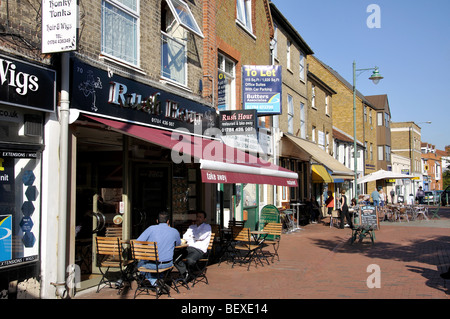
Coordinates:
197	237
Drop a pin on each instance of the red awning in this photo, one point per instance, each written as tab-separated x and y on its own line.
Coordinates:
219	163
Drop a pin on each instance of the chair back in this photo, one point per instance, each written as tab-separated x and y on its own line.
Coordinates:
144	250
241	234
273	229
113	232
239	223
109	246
211	241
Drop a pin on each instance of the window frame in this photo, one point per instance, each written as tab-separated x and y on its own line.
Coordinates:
244	11
132	13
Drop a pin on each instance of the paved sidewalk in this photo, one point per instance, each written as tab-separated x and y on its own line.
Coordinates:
318	262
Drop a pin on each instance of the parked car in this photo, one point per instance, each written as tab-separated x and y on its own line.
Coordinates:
430	197
445	196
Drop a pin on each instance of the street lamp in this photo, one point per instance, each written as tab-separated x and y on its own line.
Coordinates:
375	77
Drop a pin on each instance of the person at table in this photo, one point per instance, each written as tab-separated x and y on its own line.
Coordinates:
197	237
166	238
344	211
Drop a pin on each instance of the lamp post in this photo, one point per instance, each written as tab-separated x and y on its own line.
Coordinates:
375	77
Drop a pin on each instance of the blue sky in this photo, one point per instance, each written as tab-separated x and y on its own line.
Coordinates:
411	49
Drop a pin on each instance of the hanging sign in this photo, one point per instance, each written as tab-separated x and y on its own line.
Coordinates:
59	26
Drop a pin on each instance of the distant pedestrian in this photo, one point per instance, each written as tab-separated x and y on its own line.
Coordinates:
392	196
420	195
375	198
329	202
344	211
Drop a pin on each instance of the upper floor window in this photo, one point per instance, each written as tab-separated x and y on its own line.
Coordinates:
313	96
290	114
302	121
176	21
327	99
302	66
274	44
227	83
288	55
244	13
120	30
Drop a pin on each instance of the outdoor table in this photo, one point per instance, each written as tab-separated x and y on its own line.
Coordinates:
297	209
259	236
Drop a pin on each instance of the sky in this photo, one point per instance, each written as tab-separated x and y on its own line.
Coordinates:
409	41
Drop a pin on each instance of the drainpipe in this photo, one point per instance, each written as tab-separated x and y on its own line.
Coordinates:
61	290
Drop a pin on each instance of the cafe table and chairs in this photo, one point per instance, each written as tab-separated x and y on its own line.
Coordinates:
202	264
177	279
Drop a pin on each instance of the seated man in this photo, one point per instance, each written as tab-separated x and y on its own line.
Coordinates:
197	237
166	238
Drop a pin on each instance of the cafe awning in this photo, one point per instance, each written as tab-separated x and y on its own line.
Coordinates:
320	174
219	163
319	156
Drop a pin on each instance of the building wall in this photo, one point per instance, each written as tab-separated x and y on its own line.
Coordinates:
343	112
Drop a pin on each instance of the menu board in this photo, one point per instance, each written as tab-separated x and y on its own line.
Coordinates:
369	217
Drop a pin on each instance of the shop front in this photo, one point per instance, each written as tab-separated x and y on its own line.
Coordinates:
27	95
137	150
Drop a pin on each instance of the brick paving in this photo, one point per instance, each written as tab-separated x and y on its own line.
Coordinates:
318	262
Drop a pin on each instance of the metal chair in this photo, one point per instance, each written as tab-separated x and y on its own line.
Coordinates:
273	238
146	250
202	264
244	249
109	255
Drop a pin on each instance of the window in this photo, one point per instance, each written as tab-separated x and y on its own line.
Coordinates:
227	86
327	142
388	153
313	96
288	55
326	104
183	15
244	13
365	113
176	13
321	139
120	30
371	151
386	119
313	134
302	66
274	44
380	153
302	121
380	119
290	114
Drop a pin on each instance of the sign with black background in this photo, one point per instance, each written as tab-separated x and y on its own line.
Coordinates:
26	85
97	92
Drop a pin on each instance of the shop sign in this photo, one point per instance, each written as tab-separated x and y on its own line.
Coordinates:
262	87
23	84
98	92
59	25
237	122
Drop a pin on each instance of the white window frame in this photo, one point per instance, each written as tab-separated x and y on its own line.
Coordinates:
313	134
302	67
121	12
288	55
184	16
244	14
230	73
326	104
313	96
290	101
302	120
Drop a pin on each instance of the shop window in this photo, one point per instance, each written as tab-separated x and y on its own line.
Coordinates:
20	180
120	30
